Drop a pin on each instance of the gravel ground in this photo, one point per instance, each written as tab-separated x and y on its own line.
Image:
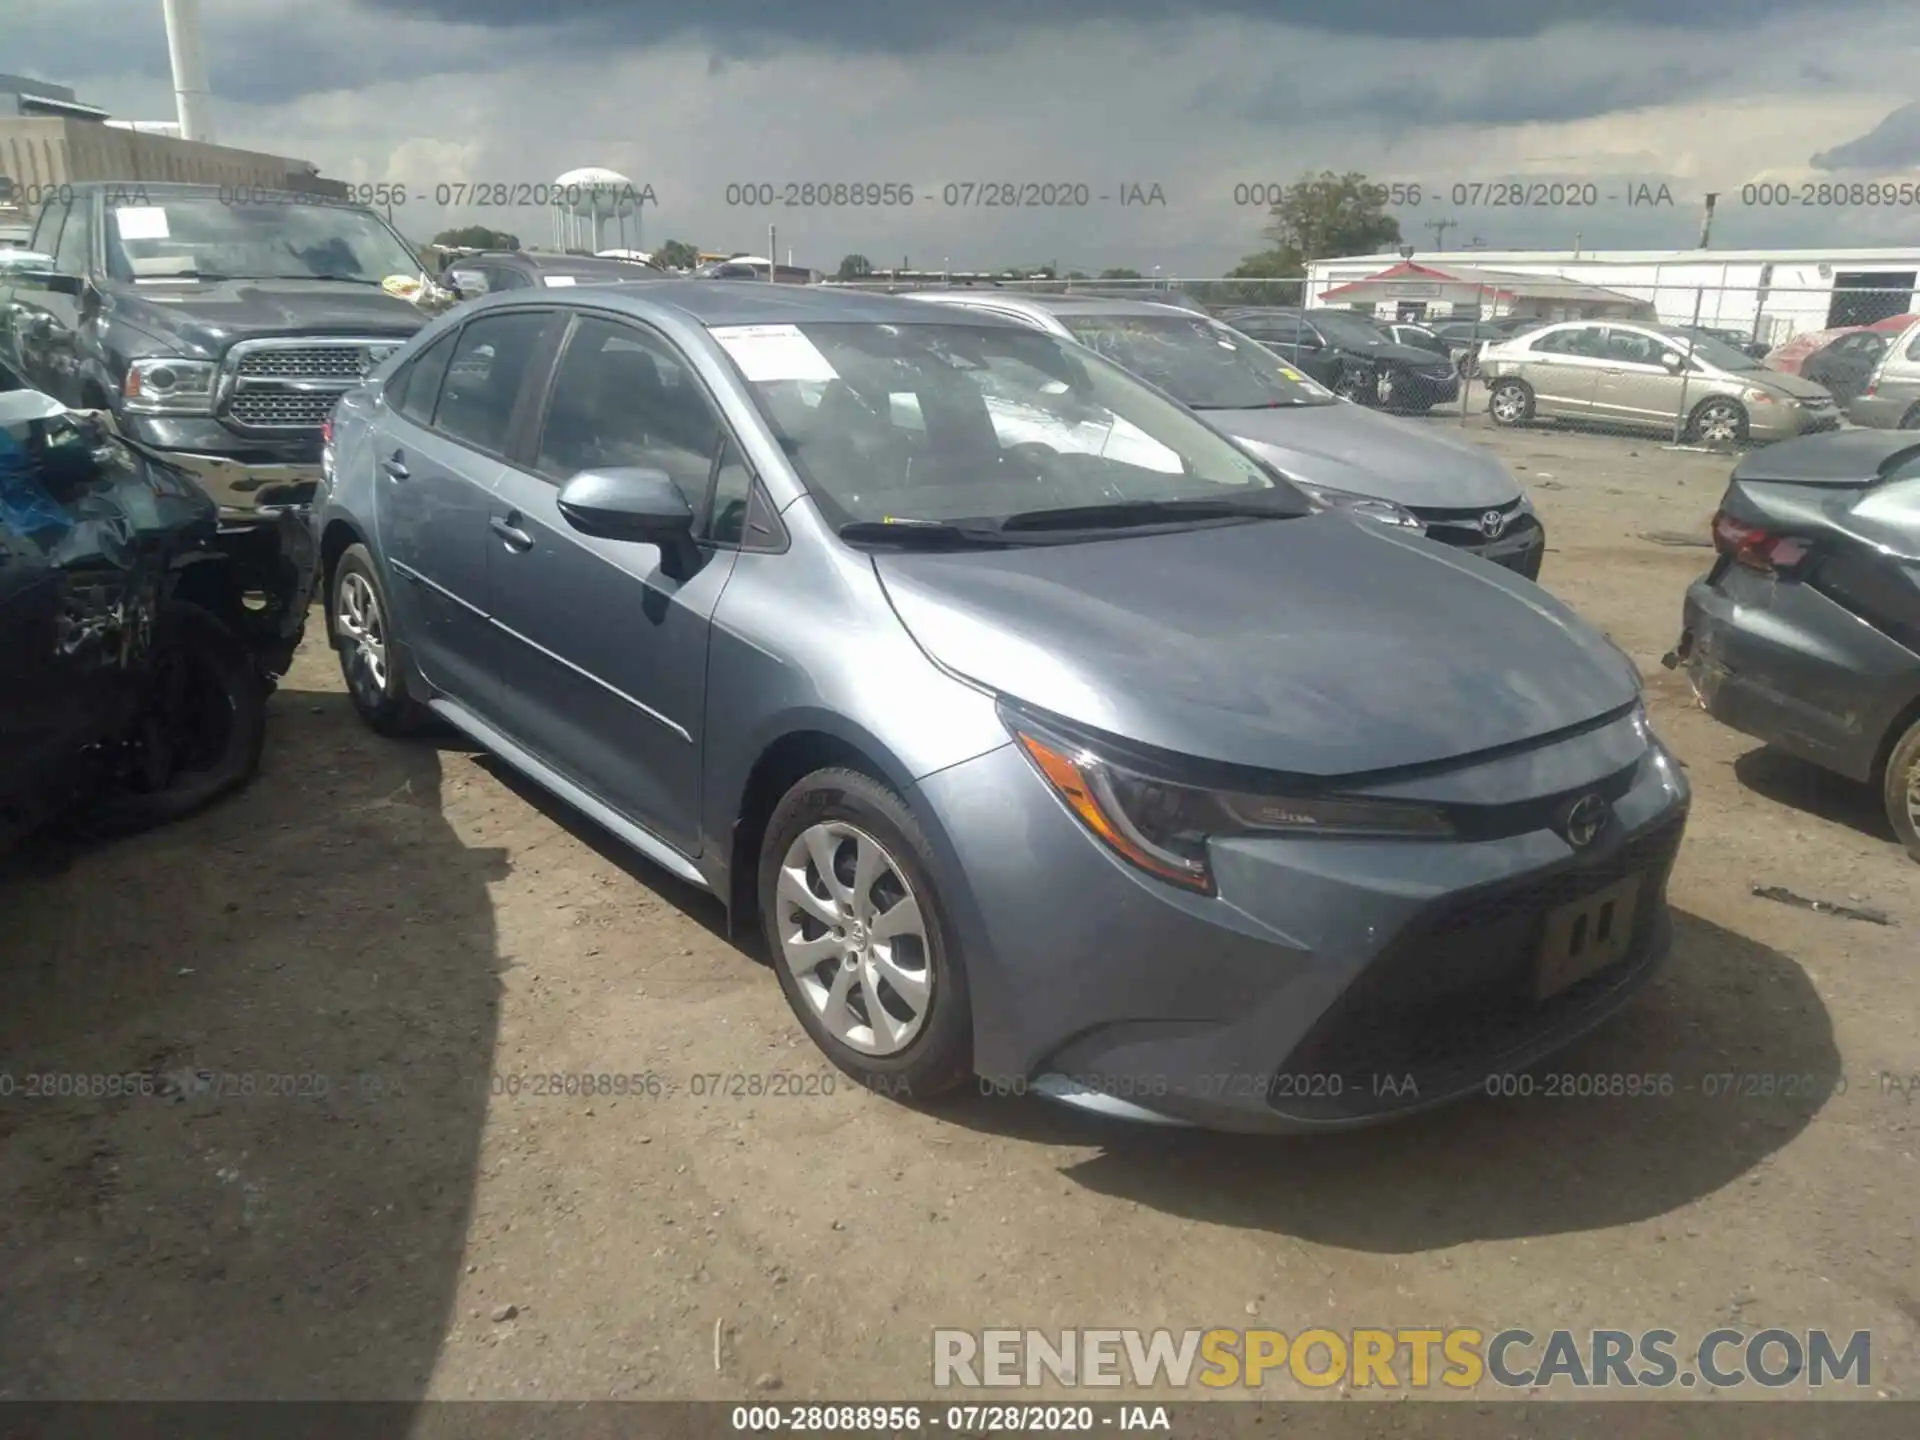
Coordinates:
359	941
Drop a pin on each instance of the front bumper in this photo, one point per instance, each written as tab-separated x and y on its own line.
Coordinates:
1884	410
1784	422
249	481
1331	983
1416	391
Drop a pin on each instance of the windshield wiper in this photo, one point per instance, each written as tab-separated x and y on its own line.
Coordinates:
342	279
1141	512
922	535
187	275
1278	404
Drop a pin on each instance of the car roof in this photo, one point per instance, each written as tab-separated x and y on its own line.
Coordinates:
547	260
1054	304
738	302
187	190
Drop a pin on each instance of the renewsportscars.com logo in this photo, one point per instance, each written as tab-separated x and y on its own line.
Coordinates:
1457	1358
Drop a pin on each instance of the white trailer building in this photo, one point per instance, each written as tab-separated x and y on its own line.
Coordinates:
1767	294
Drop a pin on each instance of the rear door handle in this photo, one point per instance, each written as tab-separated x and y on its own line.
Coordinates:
516	538
396	465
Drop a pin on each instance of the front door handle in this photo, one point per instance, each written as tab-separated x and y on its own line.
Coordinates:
516	538
396	466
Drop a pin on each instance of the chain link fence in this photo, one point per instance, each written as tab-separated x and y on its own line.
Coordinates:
1720	366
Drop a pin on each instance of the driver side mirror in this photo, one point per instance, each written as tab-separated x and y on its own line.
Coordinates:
635	503
30	267
1673	362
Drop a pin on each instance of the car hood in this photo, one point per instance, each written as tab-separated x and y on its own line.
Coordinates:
1349	447
1320	646
204	318
1391	351
1797	386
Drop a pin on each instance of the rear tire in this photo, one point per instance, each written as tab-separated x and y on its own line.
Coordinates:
1510	402
360	629
1910	420
1900	789
872	934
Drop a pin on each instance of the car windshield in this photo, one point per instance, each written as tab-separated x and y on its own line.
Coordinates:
215	236
1346	328
984	425
1718	354
1198	361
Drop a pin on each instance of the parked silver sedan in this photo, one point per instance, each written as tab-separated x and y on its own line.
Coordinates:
1117	772
1416	478
1644	376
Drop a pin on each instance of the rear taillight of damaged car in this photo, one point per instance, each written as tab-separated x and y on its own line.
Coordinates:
1755	547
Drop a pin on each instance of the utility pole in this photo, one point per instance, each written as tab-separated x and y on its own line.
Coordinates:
1706	224
1440	228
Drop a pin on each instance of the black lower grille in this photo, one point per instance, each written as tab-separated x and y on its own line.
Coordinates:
1453	995
1519	546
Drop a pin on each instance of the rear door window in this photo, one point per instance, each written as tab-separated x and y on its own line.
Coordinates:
413	391
484	375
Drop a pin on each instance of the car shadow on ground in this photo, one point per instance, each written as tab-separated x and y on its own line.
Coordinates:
1492	1169
305	978
1801	785
698	905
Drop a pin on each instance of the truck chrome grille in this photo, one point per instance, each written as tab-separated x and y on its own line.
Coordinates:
292	384
306	362
275	409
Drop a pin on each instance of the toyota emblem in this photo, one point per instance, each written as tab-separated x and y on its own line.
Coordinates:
1492	523
1585	820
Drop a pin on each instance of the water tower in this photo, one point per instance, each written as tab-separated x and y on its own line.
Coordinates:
591	204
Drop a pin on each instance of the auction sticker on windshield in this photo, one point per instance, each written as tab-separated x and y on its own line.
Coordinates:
773	352
141	222
559	279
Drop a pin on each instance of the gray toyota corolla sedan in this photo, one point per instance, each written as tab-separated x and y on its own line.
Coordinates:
1048	736
1405	473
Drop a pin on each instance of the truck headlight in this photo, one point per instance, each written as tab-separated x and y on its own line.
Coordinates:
169	385
1163	826
1384	511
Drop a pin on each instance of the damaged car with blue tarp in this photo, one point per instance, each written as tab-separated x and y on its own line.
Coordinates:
138	638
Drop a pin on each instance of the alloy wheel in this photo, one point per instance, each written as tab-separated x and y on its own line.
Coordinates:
851	932
1719	423
1509	404
1913	795
357	616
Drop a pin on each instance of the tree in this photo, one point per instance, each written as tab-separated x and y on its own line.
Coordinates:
476	237
1261	273
677	255
1121	273
1328	214
854	267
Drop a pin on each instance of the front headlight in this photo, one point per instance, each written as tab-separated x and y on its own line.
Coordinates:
1384	511
1163	826
169	385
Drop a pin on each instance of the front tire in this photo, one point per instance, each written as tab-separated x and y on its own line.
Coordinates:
1900	789
1510	402
204	727
360	628
1719	421
860	939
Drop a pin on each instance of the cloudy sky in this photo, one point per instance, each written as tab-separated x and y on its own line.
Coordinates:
1695	95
